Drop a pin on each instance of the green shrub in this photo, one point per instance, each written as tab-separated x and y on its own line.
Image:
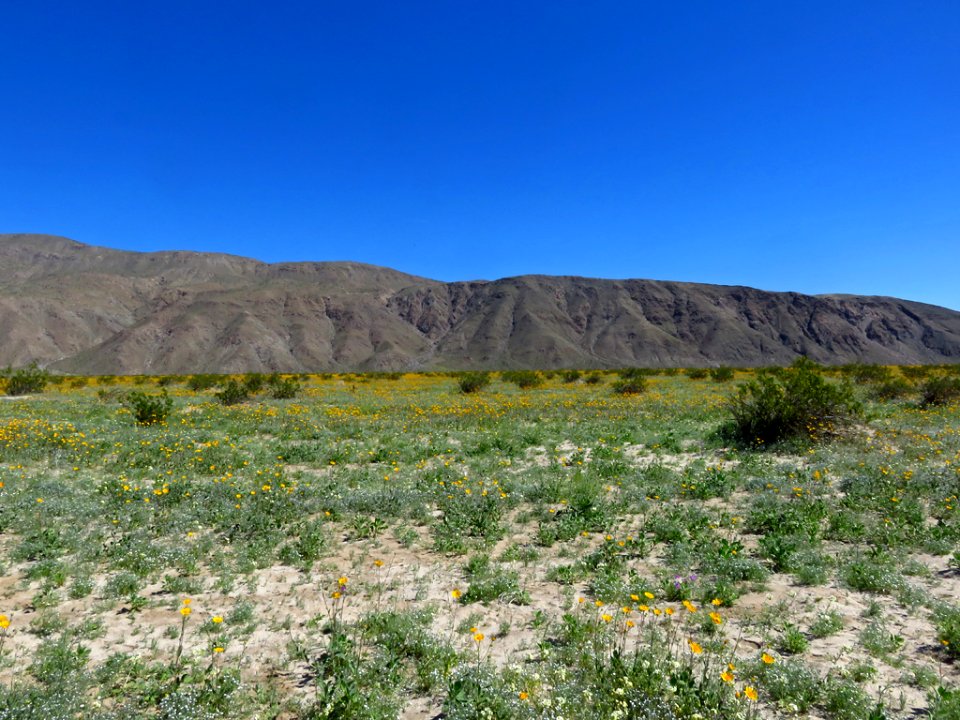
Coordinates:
25	381
148	409
254	382
861	373
721	374
630	385
891	389
593	378
936	391
697	373
570	376
523	379
947	620
202	382
786	404
233	393
474	381
282	388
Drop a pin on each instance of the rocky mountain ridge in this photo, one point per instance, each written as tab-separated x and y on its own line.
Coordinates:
85	309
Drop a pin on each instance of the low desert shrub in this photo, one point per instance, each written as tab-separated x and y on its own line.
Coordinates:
793	403
148	409
24	381
203	381
474	382
523	379
282	388
937	391
721	374
233	393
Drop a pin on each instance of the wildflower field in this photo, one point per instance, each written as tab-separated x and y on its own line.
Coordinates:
388	546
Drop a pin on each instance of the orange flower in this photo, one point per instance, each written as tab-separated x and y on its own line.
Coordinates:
716	618
751	693
768	659
695	647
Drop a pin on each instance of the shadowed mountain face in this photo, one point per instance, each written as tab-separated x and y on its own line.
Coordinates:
85	309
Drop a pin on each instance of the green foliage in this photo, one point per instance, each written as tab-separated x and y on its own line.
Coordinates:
201	382
721	374
793	403
472	382
233	393
27	380
148	409
489	582
862	373
947	619
697	373
939	391
633	381
891	390
570	376
523	379
945	703
827	623
283	388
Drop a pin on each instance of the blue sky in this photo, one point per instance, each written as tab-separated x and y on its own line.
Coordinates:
809	146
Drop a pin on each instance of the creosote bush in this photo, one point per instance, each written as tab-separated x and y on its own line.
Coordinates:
148	409
474	381
523	379
233	393
282	388
784	404
24	381
721	374
937	391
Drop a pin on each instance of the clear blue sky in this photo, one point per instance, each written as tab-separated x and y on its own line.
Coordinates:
810	146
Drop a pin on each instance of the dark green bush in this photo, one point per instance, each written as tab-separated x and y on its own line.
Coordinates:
891	389
254	382
523	379
570	376
861	373
233	393
474	381
630	385
148	409
593	378
938	391
204	381
282	388
25	381
793	403
697	373
721	374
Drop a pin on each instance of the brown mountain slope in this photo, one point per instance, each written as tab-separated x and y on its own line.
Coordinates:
86	309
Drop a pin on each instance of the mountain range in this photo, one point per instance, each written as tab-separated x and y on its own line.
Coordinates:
84	309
